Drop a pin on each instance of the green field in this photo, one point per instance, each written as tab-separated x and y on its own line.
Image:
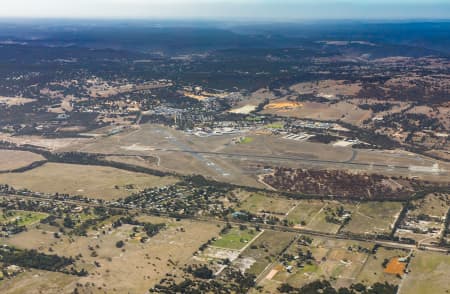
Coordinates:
235	238
23	218
246	140
276	125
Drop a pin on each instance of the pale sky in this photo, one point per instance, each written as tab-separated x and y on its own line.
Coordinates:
228	9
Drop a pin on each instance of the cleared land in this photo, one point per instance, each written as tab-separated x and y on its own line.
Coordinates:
13	101
304	212
336	260
38	282
244	109
265	249
328	89
260	203
374	217
167	252
341	110
94	181
432	205
395	267
284	105
429	273
235	239
11	159
374	272
321	220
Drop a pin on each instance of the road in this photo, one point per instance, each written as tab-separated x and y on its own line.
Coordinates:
267	227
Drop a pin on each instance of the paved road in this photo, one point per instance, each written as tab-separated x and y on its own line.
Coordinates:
280	228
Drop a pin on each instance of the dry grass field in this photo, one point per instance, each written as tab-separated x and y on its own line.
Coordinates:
46	143
265	249
13	101
94	181
374	272
305	210
341	262
259	203
429	273
432	205
147	262
342	110
329	89
11	159
332	261
319	222
39	282
374	217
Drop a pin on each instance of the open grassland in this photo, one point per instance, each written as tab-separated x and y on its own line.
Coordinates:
265	249
147	262
93	181
429	273
374	272
303	213
336	260
14	101
38	282
374	217
433	205
151	162
235	238
320	221
329	89
257	203
11	159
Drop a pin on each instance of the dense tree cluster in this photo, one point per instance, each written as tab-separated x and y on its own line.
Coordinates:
199	279
34	259
325	287
336	183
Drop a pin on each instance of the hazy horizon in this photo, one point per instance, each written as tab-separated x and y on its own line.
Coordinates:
250	10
